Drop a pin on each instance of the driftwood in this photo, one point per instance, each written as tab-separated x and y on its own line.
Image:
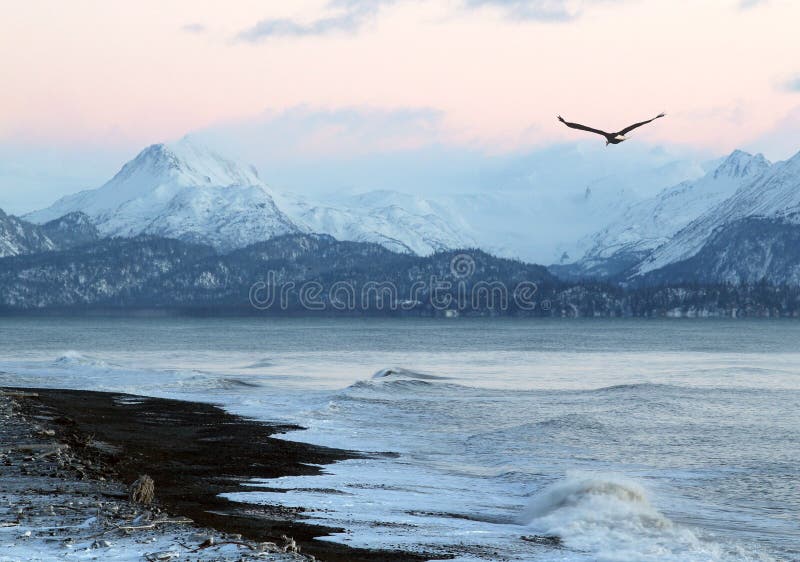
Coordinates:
143	490
289	545
48	448
51	452
153	525
148	527
18	394
158	556
548	540
211	542
70	507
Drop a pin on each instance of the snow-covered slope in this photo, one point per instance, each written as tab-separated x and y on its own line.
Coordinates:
774	194
20	237
540	216
400	222
74	229
537	225
182	190
645	225
514	223
186	191
749	250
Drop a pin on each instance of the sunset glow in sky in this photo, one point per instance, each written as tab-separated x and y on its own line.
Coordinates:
93	76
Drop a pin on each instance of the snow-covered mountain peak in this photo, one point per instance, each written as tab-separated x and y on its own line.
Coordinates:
180	190
740	164
185	162
187	191
646	225
773	195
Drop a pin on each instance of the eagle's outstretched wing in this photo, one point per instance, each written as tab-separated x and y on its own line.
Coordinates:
582	127
628	129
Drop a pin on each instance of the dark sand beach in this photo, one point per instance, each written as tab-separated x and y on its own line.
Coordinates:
194	452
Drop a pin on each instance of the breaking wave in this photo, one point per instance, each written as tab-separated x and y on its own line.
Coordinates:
71	358
611	517
394	383
576	491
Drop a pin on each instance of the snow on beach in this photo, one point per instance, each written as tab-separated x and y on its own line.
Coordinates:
57	506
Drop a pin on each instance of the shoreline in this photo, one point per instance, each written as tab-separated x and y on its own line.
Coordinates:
563	313
193	451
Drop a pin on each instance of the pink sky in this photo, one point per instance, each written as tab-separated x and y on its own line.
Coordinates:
97	72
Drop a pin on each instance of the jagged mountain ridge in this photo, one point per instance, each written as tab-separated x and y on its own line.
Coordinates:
187	192
71	230
774	194
646	225
747	251
180	191
20	237
191	193
397	221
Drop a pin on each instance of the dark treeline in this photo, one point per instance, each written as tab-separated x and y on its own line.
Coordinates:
314	274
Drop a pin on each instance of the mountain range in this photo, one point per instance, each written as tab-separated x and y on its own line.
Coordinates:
19	236
182	192
733	222
188	192
153	275
645	226
768	197
154	272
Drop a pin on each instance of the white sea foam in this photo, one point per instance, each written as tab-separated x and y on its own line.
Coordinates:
72	358
611	517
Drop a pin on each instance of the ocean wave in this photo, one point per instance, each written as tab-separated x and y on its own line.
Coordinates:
524	431
397	381
260	364
232	383
568	421
71	358
201	381
611	517
382	385
642	386
575	491
391	389
401	373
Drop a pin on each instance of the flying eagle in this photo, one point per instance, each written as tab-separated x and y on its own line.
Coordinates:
611	138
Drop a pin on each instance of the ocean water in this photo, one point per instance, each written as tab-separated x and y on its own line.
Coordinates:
631	440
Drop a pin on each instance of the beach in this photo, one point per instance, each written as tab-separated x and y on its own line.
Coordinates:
68	458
